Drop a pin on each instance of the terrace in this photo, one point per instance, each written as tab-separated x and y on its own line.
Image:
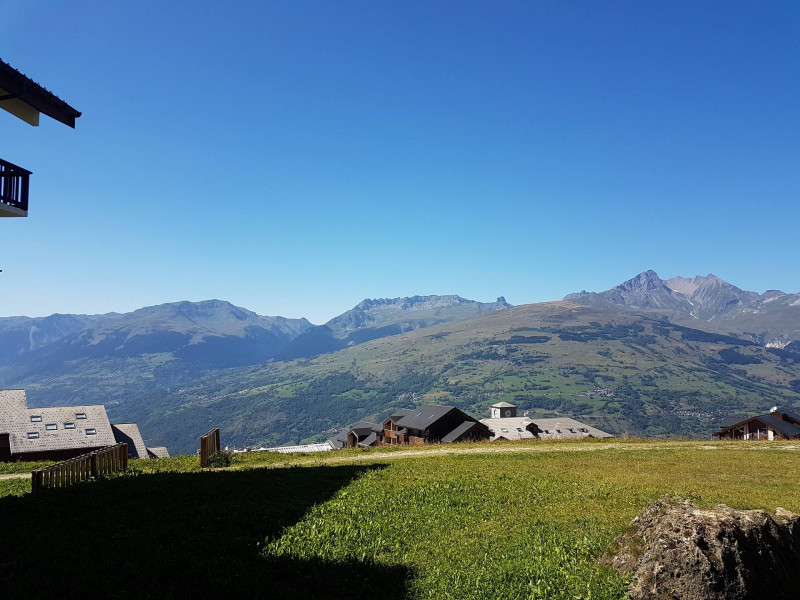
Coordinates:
14	182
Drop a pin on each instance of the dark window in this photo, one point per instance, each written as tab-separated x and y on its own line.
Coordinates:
91	431
51	427
32	435
36	419
69	425
80	415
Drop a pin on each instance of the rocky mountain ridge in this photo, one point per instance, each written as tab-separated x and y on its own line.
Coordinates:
705	301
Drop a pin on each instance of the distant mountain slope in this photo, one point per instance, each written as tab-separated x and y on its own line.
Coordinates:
374	319
619	371
707	302
22	335
153	346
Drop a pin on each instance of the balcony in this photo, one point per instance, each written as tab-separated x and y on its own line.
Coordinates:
14	183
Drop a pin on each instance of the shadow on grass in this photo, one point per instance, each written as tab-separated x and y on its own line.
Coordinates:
187	535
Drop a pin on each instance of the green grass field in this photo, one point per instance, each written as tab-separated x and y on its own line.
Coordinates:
463	522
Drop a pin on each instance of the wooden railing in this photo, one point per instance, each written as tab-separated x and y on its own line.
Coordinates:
209	446
14	182
81	468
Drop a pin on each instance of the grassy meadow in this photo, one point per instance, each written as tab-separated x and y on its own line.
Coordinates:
463	522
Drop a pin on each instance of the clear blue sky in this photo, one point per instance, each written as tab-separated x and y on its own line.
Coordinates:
297	157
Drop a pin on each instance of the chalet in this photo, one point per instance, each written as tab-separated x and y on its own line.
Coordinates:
62	432
775	425
25	99
427	424
504	424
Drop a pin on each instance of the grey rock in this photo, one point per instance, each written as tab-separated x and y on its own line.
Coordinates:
675	550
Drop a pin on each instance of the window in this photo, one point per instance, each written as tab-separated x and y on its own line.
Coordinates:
558	431
504	430
80	415
51	427
36	418
91	431
583	430
69	425
32	435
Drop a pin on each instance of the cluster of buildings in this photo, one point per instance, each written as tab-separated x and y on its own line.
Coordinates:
62	432
446	424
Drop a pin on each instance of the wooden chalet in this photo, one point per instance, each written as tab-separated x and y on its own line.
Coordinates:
775	425
26	100
427	424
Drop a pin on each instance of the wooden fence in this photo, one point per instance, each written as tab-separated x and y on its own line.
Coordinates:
81	468
209	446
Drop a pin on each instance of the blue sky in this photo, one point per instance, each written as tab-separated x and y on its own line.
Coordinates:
297	157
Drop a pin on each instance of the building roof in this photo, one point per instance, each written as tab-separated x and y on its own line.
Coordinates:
776	420
566	428
461	430
525	428
423	416
58	428
129	434
157	452
510	428
369	440
321	447
503	405
25	99
786	427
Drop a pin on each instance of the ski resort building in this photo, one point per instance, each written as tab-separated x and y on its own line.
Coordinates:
504	424
25	99
62	432
427	424
775	425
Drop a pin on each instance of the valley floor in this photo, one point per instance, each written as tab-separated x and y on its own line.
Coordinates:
462	522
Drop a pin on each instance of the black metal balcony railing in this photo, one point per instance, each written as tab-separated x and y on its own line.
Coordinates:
14	183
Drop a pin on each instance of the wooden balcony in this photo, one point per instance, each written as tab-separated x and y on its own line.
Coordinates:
14	183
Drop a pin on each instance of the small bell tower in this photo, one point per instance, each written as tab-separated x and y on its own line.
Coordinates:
503	410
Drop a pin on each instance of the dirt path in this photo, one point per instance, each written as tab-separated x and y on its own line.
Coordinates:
16	476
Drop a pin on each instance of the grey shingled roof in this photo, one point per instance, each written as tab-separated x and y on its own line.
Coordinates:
369	440
784	426
15	419
556	428
157	452
512	426
424	416
129	433
465	427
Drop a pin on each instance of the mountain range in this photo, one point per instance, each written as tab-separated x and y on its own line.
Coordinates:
706	302
650	356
